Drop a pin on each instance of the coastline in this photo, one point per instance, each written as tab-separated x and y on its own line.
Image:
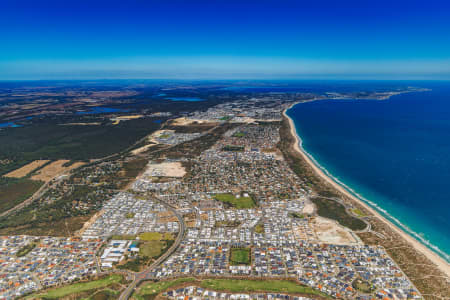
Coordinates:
440	263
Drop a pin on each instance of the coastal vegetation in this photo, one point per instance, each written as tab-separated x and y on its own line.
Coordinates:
334	210
358	212
63	213
326	206
413	263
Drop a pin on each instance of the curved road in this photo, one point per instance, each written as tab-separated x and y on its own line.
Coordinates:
138	277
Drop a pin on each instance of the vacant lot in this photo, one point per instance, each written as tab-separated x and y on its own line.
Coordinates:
240	256
239	203
26	249
329	231
153	244
362	286
259	228
169	169
152	248
54	169
155	236
25	170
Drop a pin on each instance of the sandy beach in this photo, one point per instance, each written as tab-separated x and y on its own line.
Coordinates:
433	257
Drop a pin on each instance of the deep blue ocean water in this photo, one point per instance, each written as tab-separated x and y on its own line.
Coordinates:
394	153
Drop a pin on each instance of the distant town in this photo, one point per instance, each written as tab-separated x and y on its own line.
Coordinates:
201	200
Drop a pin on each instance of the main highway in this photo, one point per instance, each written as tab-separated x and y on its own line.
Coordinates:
139	277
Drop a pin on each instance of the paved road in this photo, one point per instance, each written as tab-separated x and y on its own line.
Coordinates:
144	275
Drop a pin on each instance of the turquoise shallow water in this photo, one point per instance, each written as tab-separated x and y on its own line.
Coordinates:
393	153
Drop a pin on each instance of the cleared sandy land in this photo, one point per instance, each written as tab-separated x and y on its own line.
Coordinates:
142	149
125	118
277	153
88	223
164	214
25	170
166	169
308	209
82	124
54	169
185	121
167	220
328	231
191	224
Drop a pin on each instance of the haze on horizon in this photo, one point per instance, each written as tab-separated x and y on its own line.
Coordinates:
224	39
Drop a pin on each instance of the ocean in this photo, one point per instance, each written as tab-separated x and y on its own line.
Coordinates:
394	154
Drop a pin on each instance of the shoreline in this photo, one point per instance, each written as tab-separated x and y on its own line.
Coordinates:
440	263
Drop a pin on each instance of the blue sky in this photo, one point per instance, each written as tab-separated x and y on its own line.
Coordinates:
224	39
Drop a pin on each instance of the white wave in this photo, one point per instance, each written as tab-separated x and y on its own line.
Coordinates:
372	204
